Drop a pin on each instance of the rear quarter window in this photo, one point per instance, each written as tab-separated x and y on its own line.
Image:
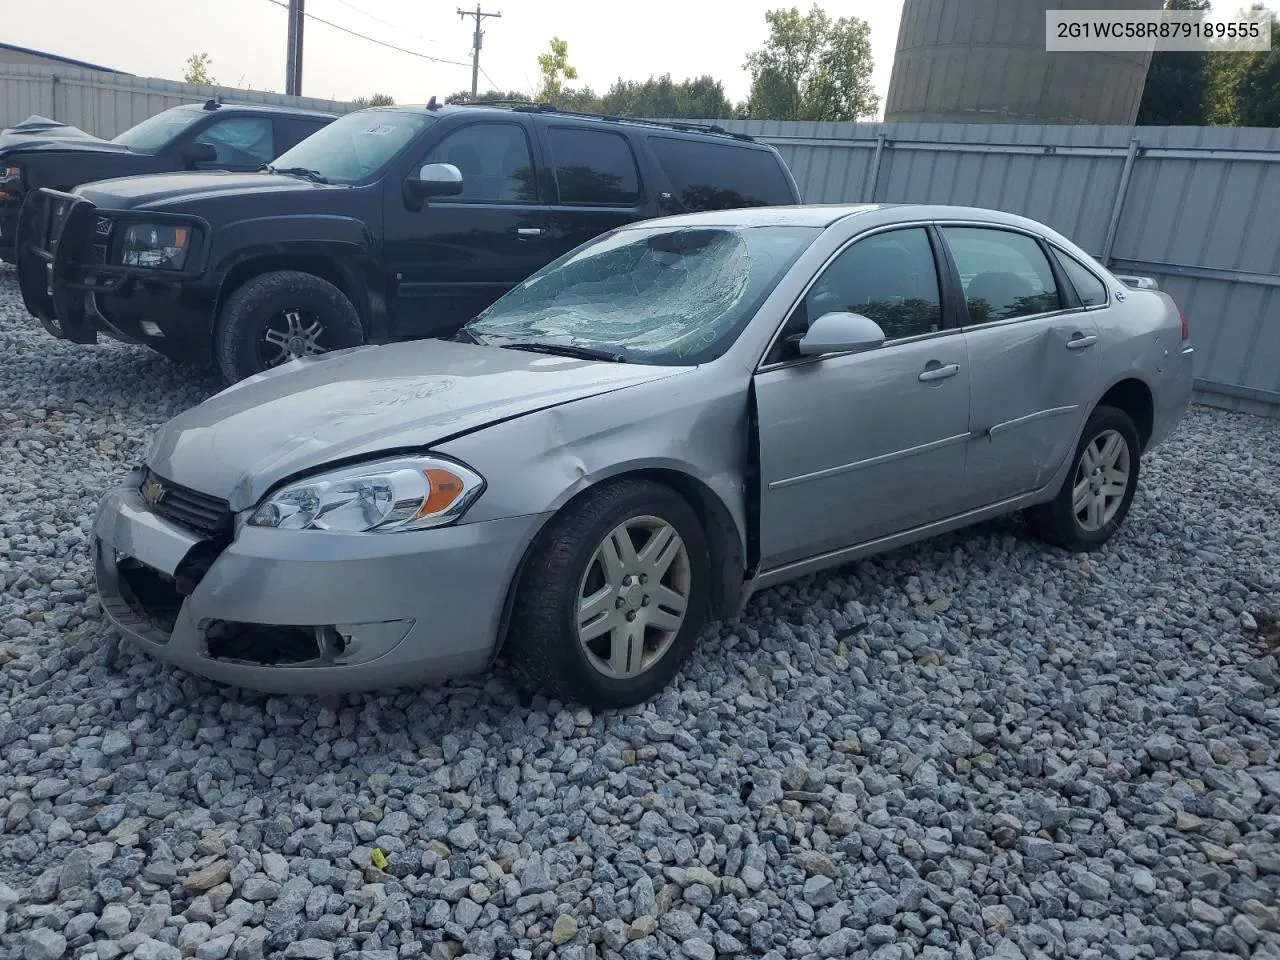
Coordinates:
721	176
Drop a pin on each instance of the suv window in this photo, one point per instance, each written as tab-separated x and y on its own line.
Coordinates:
1005	274
240	141
495	161
593	166
1091	290
889	277
720	176
291	131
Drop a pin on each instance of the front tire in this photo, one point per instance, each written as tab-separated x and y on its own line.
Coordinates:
280	316
613	596
1097	493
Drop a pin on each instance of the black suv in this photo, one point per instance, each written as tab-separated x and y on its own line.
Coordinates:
391	223
216	136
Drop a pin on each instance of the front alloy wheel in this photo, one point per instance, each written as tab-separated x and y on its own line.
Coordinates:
612	596
633	597
289	336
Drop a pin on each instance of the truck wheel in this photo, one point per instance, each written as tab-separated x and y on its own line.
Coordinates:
281	316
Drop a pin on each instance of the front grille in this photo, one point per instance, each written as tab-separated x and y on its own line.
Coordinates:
191	509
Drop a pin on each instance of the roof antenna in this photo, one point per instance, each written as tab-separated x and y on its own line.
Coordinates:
214	102
432	105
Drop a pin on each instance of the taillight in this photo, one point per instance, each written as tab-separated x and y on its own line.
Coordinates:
1186	331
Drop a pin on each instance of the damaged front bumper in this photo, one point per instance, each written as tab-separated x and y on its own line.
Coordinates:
304	612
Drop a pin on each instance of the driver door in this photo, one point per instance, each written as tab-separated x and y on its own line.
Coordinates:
855	447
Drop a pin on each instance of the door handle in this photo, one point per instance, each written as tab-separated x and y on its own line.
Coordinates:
1080	341
530	231
940	373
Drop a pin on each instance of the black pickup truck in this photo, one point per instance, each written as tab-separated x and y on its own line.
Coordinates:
216	136
391	223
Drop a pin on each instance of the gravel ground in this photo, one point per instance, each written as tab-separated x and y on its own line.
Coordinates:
975	747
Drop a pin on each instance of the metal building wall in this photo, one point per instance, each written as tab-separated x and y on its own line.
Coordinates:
984	61
1196	207
106	104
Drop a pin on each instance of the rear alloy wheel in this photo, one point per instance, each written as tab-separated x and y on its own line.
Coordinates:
281	316
1097	493
613	596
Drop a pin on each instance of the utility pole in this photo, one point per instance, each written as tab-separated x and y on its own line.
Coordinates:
475	50
293	61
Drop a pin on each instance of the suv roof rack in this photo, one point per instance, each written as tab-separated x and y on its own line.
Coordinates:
535	106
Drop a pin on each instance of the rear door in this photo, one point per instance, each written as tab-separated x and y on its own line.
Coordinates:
456	255
1034	357
597	181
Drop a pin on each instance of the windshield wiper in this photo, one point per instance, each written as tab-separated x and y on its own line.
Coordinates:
568	350
315	176
463	335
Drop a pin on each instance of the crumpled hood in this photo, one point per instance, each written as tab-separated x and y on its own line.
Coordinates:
364	402
159	190
44	135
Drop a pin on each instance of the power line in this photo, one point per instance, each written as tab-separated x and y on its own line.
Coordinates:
489	80
385	23
381	43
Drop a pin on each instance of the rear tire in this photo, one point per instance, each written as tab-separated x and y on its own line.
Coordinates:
279	316
597	618
1098	491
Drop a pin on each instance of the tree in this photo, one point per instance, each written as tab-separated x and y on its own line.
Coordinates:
1176	91
812	68
377	100
1248	84
699	98
554	69
197	70
464	96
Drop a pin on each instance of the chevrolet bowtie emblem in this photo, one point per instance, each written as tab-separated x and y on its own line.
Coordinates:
153	492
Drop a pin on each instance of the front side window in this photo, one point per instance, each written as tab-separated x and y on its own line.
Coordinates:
594	167
494	160
1091	291
240	141
661	295
889	277
155	133
1004	274
357	147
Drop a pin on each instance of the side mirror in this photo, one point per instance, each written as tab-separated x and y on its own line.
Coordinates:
841	333
433	180
199	152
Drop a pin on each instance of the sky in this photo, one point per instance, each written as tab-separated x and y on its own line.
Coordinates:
245	40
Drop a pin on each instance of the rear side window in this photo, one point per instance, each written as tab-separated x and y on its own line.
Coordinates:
721	176
1092	291
1005	274
291	131
594	167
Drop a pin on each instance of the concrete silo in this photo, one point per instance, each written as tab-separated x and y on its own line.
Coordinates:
984	61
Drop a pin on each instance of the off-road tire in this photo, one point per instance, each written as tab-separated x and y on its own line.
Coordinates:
246	313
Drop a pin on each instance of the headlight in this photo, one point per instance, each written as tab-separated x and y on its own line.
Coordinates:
385	497
155	245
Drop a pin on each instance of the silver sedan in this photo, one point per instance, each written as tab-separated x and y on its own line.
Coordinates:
633	441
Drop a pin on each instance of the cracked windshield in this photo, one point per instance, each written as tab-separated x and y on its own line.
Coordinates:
678	296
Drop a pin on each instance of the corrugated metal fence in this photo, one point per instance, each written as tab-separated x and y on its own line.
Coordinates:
1198	208
106	104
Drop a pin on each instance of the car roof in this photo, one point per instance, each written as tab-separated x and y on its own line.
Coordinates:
282	109
827	214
